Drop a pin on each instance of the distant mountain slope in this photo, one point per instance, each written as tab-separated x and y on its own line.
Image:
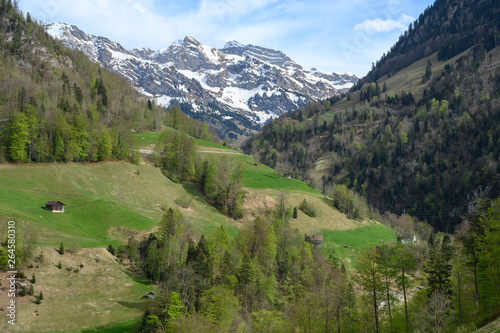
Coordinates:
236	89
424	138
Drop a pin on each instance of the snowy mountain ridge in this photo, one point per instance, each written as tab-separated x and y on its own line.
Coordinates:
236	89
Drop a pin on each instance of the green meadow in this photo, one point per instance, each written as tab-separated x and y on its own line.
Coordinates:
108	203
367	235
105	202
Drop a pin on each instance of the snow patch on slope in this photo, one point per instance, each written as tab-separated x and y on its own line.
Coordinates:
249	80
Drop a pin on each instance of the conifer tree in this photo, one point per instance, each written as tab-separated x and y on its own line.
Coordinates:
428	71
151	264
438	268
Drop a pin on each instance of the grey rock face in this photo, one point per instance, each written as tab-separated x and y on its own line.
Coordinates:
247	83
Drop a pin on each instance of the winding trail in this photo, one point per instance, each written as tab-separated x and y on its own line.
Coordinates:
151	151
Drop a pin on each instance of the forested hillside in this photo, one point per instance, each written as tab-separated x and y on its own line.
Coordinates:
268	279
448	27
423	139
55	105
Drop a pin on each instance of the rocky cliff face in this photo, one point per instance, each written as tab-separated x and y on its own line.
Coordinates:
236	89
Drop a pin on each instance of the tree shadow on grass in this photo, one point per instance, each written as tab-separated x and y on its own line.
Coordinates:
137	279
192	190
143	305
328	201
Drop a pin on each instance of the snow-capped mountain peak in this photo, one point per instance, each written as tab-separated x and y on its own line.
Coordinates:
234	44
236	88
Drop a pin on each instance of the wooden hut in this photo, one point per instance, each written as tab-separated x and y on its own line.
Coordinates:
55	206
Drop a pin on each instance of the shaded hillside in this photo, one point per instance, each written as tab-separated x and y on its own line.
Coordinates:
448	27
55	105
423	140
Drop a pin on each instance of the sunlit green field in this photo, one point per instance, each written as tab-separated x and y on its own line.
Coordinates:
105	202
367	235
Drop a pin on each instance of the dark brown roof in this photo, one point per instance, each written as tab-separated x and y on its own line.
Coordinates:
51	203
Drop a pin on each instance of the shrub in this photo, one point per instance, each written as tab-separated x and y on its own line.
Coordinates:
61	248
111	249
59	265
295	213
41	295
32	290
307	208
33	278
348	202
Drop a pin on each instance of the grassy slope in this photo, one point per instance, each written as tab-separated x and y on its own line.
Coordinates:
101	292
108	203
256	177
263	189
369	235
99	198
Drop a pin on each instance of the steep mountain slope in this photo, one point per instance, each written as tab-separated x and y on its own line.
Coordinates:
423	139
447	27
236	89
56	105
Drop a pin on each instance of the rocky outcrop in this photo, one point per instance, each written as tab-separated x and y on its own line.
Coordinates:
236	89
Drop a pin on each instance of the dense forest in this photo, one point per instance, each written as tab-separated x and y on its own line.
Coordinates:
269	279
429	152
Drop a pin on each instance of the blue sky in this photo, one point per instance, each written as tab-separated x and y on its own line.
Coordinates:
332	35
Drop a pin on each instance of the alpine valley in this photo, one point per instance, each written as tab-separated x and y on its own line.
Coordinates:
368	205
235	89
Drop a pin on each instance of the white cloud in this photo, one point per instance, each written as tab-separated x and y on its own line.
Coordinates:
379	25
